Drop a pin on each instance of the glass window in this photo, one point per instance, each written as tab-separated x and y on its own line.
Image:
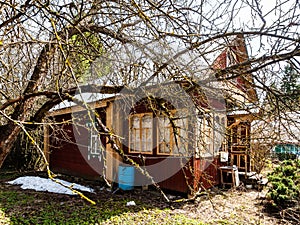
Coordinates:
95	144
219	133
172	134
204	136
164	134
140	133
181	133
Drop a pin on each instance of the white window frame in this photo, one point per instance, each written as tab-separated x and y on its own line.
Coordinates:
95	145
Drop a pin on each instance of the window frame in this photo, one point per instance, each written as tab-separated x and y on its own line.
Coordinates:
140	131
208	131
172	143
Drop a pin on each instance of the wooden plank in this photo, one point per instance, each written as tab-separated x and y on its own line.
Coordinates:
46	142
113	122
77	108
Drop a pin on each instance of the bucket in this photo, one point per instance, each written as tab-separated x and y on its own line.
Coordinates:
126	177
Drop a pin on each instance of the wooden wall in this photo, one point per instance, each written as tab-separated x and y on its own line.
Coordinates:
68	147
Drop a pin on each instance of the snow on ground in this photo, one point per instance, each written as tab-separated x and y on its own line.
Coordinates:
43	184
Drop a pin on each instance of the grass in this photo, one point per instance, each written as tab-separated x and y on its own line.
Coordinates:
152	216
34	208
19	206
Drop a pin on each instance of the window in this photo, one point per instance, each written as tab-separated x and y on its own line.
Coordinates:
207	134
172	134
242	135
219	132
140	133
164	132
231	58
210	134
240	138
203	136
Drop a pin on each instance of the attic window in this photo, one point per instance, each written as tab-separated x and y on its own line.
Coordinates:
140	133
95	147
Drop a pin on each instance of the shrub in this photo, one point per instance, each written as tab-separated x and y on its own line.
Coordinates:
285	183
286	156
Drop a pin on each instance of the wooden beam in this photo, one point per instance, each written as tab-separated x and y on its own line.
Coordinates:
77	108
46	142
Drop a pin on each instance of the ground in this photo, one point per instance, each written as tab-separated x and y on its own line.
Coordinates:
218	206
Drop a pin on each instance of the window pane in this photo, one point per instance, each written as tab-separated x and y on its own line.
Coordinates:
133	142
183	132
141	133
95	143
147	122
146	140
164	134
135	122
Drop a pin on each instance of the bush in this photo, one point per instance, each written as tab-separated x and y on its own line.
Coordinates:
285	183
286	156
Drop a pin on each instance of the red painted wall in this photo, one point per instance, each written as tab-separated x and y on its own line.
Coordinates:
68	150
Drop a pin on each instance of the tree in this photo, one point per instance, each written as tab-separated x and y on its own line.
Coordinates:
46	47
290	80
290	85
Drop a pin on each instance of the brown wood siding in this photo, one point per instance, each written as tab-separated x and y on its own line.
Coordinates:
179	180
197	173
206	173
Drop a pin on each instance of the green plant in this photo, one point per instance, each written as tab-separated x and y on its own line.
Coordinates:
285	183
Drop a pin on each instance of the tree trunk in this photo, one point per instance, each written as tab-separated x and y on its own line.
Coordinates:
9	132
8	136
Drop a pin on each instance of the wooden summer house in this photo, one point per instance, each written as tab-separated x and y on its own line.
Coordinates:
175	131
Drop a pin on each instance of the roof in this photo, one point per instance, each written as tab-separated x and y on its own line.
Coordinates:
83	97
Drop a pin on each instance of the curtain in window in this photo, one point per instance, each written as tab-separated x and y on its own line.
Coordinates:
140	133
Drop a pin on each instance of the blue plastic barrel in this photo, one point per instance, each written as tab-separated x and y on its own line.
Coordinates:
126	177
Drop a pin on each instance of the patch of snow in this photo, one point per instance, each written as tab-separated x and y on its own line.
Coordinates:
84	97
44	184
131	203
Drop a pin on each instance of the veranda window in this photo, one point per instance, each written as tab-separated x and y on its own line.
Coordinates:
210	134
172	136
219	133
140	133
204	136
